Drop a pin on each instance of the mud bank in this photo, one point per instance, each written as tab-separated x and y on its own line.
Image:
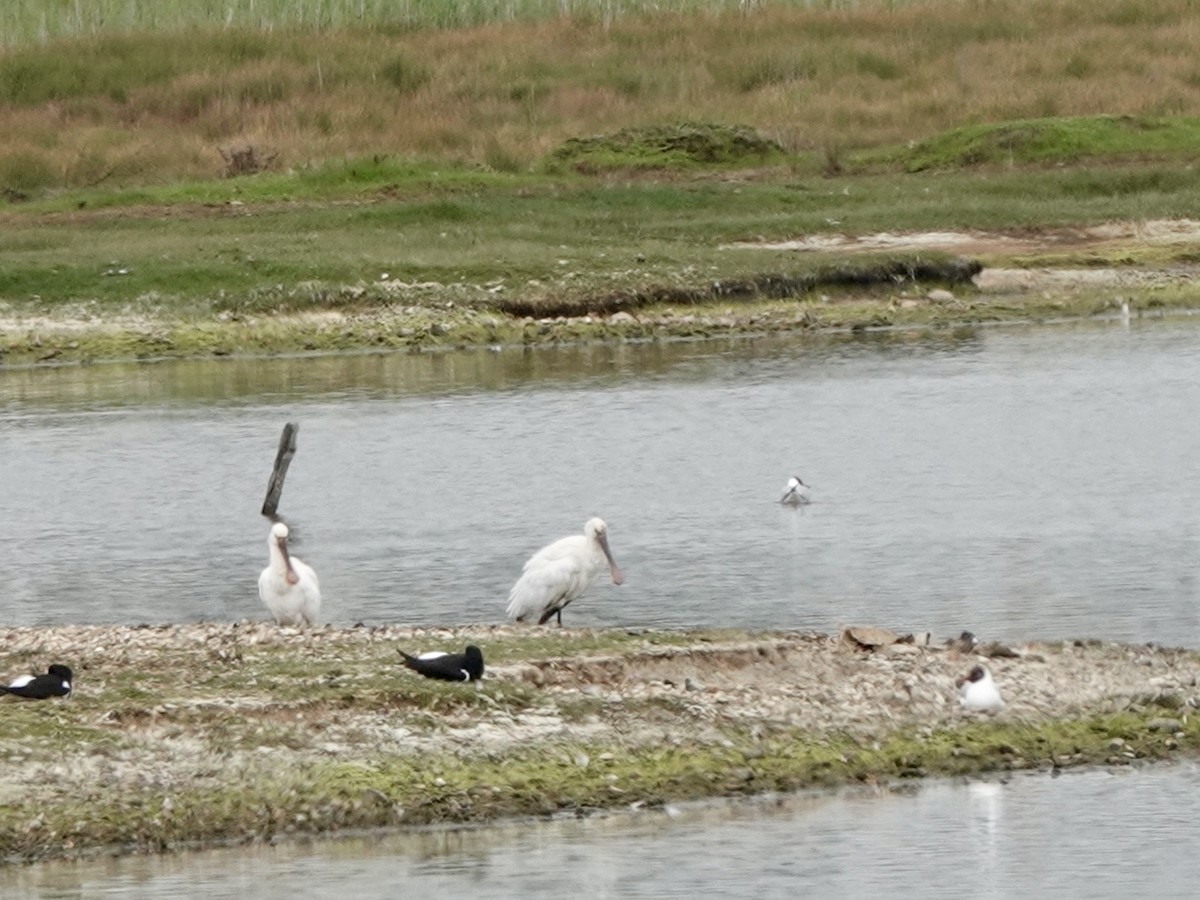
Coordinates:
1047	274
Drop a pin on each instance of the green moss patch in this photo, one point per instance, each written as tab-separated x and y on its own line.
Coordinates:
1066	140
563	776
233	733
658	147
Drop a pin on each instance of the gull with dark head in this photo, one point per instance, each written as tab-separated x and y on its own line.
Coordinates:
560	572
977	690
288	586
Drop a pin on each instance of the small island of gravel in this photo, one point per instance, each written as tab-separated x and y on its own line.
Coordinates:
214	734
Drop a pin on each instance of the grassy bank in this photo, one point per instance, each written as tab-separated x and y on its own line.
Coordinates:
544	178
386	255
575	777
213	734
159	97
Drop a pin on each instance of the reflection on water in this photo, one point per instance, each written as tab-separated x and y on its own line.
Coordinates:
1019	482
354	376
1095	834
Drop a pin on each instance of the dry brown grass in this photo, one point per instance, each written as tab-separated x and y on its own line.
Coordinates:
506	94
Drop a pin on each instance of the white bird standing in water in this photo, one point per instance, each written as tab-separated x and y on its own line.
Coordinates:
288	586
795	493
977	690
560	572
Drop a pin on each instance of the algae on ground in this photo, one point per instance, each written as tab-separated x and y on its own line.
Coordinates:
653	147
862	296
562	776
210	734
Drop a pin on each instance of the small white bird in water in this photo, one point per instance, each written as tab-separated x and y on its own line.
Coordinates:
977	690
796	492
288	586
561	572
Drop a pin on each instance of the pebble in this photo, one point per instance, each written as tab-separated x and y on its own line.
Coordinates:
1165	724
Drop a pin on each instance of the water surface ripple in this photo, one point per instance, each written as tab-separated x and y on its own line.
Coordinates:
1021	482
1083	836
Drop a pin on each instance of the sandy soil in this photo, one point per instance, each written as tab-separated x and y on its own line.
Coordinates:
1110	235
1103	240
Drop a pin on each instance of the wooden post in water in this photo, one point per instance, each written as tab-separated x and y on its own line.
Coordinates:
283	459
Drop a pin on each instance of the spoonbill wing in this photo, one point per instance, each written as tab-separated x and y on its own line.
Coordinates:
549	583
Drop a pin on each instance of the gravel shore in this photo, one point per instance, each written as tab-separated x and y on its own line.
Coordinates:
204	734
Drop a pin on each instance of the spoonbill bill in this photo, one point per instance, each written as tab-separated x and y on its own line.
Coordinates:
560	572
288	586
977	690
55	683
795	493
465	666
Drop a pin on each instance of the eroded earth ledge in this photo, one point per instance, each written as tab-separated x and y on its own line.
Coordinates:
923	280
202	735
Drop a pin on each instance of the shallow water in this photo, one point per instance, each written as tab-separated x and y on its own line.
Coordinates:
1096	834
1020	482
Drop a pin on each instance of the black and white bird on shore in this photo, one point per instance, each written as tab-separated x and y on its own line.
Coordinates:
465	666
55	683
795	492
977	690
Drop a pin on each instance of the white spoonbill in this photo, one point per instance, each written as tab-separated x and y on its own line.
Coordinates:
288	586
560	572
795	492
977	690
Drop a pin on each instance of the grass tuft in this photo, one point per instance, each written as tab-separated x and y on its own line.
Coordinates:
666	147
1047	141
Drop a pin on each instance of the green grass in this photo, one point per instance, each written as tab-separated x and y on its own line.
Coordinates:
659	147
233	735
325	238
205	268
552	169
1041	142
25	726
562	776
545	643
